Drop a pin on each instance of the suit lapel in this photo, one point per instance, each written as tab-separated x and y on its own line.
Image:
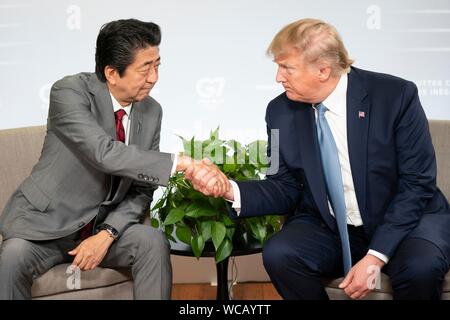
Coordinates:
136	124
358	116
103	105
310	155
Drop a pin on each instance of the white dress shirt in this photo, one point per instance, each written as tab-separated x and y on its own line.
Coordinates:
336	117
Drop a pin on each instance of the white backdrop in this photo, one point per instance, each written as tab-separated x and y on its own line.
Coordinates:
214	68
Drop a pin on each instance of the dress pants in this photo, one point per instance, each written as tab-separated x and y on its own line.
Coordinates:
305	250
143	248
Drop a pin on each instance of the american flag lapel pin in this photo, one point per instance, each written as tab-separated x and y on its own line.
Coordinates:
361	114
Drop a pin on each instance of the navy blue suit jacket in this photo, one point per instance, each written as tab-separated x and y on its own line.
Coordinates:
391	156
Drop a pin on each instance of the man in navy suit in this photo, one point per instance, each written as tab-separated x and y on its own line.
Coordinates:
394	216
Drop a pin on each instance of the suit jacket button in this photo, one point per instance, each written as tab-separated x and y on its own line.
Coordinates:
146	178
155	179
140	176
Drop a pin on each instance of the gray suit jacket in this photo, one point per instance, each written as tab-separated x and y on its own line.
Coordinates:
71	183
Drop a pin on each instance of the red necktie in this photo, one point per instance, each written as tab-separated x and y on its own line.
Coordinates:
86	231
120	131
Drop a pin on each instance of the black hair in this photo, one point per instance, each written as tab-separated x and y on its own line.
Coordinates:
118	41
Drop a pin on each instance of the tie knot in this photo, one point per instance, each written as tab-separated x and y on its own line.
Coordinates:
321	109
119	114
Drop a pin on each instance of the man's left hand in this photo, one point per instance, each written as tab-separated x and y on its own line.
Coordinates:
360	280
90	252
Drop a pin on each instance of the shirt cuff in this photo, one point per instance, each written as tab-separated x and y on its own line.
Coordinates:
379	255
174	165
236	204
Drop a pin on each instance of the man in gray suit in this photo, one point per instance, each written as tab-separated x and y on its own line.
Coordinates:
95	179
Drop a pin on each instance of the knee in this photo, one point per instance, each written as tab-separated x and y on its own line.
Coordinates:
150	239
13	253
423	272
276	255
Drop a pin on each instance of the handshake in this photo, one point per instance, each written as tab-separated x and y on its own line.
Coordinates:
205	177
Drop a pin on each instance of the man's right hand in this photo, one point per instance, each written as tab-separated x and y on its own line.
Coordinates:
205	177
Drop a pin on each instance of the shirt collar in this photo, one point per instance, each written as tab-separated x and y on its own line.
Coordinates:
117	106
336	101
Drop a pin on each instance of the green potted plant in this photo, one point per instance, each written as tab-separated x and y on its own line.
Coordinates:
187	215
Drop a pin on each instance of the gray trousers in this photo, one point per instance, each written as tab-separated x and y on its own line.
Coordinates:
143	248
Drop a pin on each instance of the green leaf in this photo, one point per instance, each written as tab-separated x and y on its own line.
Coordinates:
199	211
216	203
174	216
197	150
184	234
230	165
224	250
214	151
194	205
230	232
197	245
227	221
154	223
218	231
258	230
274	222
262	233
187	145
192	148
205	229
219	155
215	134
169	237
159	204
168	229
195	195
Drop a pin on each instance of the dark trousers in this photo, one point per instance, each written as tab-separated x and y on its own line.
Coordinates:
304	251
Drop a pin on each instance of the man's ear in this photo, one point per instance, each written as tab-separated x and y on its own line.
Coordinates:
324	71
111	75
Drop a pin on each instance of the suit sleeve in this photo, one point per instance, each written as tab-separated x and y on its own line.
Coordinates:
416	175
71	119
277	194
136	204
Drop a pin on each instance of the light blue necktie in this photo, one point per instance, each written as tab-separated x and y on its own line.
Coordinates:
333	179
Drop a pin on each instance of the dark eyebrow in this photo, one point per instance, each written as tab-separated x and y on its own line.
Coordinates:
151	62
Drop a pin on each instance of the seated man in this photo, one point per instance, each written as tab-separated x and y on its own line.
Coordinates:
356	168
95	179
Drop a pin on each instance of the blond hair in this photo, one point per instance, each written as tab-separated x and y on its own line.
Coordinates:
315	40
